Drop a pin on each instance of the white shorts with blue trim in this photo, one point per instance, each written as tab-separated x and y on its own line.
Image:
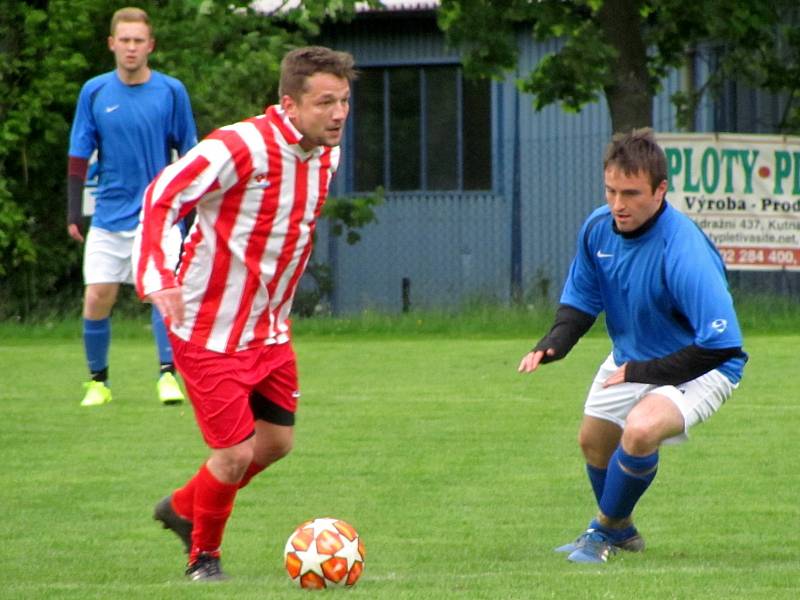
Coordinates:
697	399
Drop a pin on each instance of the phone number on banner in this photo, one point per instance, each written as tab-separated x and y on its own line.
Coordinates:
754	258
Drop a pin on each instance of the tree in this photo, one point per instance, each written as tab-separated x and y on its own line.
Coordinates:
623	49
37	75
226	54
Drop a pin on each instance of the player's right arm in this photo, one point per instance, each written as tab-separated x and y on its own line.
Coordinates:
169	303
82	142
580	305
531	361
570	324
169	198
76	176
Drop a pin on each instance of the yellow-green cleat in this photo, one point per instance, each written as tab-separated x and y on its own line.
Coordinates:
169	391
97	393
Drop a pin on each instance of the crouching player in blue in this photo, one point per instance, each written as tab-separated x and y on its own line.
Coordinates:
677	347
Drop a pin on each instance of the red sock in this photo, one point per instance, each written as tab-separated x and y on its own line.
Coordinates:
213	503
183	499
253	469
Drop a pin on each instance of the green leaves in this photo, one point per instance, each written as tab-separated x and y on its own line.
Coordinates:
485	30
16	246
598	56
350	214
576	74
35	87
226	54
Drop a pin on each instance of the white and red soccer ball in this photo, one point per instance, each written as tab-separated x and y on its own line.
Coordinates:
324	553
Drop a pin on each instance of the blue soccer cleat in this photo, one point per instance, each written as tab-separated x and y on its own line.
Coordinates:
632	543
594	546
572	546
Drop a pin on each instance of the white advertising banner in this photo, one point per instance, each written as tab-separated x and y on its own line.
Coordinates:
743	191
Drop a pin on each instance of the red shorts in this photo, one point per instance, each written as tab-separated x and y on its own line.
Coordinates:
230	391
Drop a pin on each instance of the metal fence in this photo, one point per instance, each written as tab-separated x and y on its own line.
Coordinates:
513	241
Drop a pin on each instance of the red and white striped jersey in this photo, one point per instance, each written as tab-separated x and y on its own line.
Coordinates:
257	196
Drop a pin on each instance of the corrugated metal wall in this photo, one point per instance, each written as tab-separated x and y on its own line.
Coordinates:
450	247
562	180
455	247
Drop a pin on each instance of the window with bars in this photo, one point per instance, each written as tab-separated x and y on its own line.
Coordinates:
421	128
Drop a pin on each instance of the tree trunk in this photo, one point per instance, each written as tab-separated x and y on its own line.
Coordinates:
629	96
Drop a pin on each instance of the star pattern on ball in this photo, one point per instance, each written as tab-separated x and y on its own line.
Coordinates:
350	551
324	552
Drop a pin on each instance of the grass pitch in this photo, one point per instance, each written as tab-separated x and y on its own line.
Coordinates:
460	474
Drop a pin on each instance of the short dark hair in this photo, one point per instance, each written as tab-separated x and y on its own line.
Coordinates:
637	152
301	63
130	14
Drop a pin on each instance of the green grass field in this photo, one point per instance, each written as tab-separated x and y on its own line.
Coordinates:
460	475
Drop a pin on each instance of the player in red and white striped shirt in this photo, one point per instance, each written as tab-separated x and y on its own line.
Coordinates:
257	187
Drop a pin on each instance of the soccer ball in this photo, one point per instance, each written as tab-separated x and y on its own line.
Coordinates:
324	553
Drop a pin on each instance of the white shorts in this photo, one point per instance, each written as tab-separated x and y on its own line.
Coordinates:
107	255
697	399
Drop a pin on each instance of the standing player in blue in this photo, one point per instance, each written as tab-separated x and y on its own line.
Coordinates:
134	117
677	348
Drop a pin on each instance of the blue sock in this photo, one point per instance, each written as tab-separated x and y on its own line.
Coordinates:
615	534
627	479
597	477
162	341
96	340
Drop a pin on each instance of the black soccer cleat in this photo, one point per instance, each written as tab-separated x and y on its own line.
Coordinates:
206	567
170	520
635	543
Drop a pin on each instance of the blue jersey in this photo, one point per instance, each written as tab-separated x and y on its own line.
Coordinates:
662	290
134	128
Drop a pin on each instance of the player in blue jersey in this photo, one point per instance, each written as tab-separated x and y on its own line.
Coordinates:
134	117
677	347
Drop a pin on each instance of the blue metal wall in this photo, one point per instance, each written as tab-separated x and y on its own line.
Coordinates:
455	247
451	247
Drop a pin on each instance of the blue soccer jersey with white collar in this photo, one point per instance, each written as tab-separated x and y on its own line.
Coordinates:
661	291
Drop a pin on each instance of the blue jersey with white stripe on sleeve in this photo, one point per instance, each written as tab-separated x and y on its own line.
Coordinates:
134	128
662	289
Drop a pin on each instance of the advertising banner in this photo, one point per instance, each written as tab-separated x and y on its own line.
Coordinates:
743	191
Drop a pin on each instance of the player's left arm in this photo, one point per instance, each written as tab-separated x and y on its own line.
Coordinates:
697	281
690	362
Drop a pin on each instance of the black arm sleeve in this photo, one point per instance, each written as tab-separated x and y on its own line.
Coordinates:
684	365
74	199
569	325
